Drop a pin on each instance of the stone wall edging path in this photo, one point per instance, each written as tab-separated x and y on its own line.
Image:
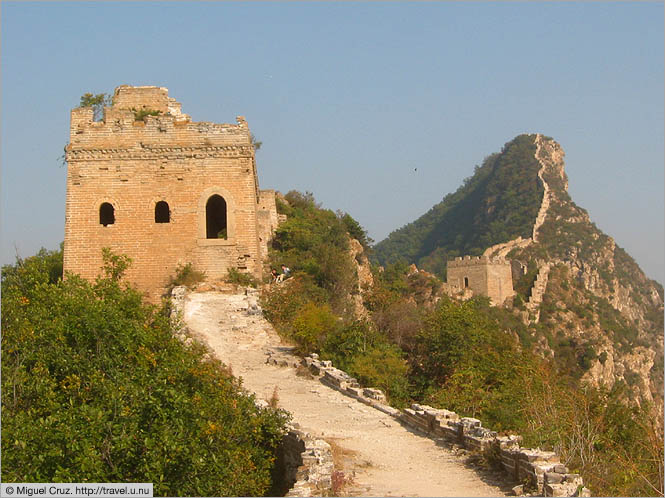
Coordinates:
542	469
306	461
377	455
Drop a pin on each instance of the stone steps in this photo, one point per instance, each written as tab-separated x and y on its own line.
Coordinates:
538	290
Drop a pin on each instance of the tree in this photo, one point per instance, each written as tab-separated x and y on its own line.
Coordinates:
96	388
97	102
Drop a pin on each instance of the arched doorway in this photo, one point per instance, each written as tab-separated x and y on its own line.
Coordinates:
216	218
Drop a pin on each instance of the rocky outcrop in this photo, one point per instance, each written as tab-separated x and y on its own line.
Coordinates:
633	368
564	235
365	279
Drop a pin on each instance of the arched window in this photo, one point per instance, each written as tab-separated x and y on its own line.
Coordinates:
106	214
216	226
466	282
162	213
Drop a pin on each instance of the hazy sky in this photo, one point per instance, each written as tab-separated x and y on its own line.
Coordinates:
349	98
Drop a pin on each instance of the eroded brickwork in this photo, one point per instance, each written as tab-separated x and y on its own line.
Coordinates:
491	277
133	164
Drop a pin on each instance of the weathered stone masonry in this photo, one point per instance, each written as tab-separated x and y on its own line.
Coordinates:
540	470
164	190
485	276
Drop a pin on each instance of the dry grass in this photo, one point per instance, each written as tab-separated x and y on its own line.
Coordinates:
274	399
343	461
303	371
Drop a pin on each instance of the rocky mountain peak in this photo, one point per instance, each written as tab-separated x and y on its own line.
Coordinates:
590	306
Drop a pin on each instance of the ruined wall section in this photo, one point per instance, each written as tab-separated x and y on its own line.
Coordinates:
491	277
267	220
539	471
133	165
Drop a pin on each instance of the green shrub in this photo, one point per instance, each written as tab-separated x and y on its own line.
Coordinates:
311	326
238	278
602	357
186	275
97	102
344	343
384	367
281	303
142	114
587	357
355	230
315	241
43	268
95	388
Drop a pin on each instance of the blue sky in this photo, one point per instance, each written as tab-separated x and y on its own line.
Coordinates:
349	98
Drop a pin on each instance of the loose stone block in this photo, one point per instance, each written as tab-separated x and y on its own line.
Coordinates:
553	478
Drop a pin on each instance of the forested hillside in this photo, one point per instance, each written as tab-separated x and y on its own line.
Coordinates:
599	315
499	202
419	345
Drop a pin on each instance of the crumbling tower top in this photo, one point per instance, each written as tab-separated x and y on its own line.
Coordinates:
148	182
147	98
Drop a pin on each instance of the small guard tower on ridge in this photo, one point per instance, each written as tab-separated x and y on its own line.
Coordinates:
163	190
484	276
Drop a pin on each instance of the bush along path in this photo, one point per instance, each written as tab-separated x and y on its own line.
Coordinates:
374	454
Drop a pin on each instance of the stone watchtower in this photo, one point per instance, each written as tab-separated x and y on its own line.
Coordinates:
163	190
491	277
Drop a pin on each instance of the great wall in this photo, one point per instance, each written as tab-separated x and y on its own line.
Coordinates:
500	251
330	408
135	184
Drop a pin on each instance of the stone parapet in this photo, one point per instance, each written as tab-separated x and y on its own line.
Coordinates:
541	470
307	462
459	262
537	291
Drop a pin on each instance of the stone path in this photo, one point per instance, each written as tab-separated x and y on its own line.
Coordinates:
384	458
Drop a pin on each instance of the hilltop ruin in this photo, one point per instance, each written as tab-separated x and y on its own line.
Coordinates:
148	182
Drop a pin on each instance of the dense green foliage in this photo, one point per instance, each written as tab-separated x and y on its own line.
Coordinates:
235	277
498	203
95	388
315	242
313	308
468	357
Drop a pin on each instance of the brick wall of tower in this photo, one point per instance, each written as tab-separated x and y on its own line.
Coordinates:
485	277
133	165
